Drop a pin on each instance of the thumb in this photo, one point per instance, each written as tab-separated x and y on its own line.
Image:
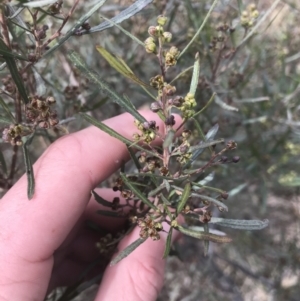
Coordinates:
138	277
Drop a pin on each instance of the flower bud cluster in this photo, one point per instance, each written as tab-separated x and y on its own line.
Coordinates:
13	134
171	56
126	194
71	92
102	245
205	216
147	131
157	32
185	155
39	111
9	84
157	82
187	105
106	244
149	227
151	163
41	32
249	16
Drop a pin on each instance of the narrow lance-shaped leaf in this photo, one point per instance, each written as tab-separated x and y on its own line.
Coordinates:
200	28
169	138
210	199
206	242
14	14
110	213
6	52
12	66
5	120
113	133
137	192
125	14
205	197
184	197
3	163
29	172
101	200
240	224
237	190
207	179
206	106
165	201
157	190
206	144
224	105
209	136
196	73
127	251
204	236
127	33
168	243
7	110
134	158
75	27
40	83
38	3
102	85
119	65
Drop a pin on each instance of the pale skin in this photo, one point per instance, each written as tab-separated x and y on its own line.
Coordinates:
44	242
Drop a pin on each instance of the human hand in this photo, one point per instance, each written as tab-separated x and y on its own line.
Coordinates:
43	242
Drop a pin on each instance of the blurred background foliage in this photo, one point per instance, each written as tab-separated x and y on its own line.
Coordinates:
257	86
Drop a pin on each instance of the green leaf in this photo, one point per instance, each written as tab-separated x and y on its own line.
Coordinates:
39	3
3	163
75	27
113	133
200	28
137	192
129	249
168	243
7	110
224	105
207	138
165	200
206	242
5	120
157	190
196	73
169	138
29	172
12	66
110	213
205	197
206	144
102	85
184	197
125	14
127	33
204	236
101	200
210	199
40	83
237	189
6	52
205	107
240	224
119	65
14	17
134	158
105	128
